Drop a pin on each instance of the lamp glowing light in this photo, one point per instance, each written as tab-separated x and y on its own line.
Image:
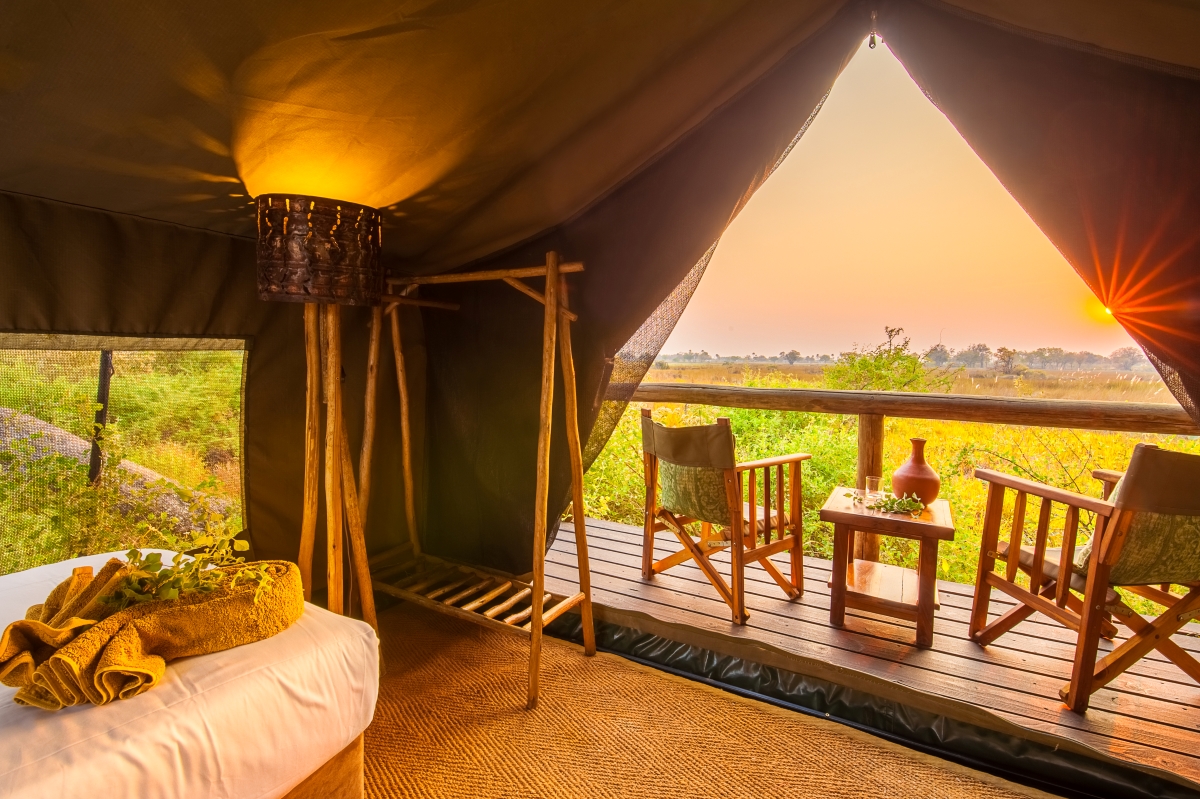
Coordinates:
1108	310
314	249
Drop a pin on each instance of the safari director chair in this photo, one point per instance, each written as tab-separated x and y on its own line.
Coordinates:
692	476
1147	539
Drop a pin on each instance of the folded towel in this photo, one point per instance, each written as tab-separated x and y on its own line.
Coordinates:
74	649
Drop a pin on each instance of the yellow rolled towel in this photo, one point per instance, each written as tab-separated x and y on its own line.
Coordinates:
119	655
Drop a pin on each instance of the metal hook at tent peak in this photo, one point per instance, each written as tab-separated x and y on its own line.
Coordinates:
874	30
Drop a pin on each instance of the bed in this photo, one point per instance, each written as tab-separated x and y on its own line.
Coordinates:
282	717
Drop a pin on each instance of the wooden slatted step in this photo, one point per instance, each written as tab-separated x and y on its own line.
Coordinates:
480	595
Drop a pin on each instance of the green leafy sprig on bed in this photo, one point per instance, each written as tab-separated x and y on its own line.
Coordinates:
203	571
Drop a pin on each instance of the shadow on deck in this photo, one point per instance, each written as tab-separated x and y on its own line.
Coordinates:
1148	718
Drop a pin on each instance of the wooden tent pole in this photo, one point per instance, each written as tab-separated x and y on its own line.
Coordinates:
333	459
312	447
542	492
368	442
578	511
358	540
410	505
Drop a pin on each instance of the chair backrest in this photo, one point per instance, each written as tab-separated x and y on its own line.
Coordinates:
1160	492
693	462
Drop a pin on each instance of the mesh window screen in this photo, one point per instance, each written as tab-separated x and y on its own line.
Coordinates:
163	465
635	357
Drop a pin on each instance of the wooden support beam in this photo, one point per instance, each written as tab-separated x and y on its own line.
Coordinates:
410	501
491	274
358	540
870	464
575	450
312	445
542	492
331	315
392	300
1137	417
368	440
525	289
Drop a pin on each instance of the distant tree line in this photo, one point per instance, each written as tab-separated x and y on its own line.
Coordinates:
1009	361
784	357
977	356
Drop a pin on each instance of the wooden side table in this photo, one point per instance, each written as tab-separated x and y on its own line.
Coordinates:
879	587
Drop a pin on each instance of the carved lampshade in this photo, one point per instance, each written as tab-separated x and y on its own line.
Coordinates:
313	249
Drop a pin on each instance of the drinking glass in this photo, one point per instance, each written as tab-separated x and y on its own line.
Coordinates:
873	494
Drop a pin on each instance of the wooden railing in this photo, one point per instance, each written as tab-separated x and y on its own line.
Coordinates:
872	406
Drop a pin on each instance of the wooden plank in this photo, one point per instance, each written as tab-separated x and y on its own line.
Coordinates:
454	599
522	615
476	604
561	608
1136	417
495	611
491	274
441	591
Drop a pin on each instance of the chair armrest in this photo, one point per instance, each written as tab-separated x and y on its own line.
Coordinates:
1051	493
779	460
1109	477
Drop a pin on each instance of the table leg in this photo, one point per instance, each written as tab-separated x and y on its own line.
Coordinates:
837	581
926	587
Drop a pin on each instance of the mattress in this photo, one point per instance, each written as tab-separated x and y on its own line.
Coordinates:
245	723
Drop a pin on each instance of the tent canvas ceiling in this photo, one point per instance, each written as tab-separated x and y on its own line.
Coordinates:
624	134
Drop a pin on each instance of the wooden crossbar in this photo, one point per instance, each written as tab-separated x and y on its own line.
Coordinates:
491	274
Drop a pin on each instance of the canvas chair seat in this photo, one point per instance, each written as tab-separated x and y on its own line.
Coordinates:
692	475
760	522
1050	569
1147	539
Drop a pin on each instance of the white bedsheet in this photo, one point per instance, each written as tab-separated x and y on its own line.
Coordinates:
251	722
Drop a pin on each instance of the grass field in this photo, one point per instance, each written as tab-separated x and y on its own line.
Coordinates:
1064	458
1117	386
175	413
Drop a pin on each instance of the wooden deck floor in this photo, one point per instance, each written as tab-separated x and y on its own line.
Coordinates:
1148	717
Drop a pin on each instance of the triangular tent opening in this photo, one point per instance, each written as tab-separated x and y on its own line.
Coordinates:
883	214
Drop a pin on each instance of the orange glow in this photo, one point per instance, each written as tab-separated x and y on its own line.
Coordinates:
883	215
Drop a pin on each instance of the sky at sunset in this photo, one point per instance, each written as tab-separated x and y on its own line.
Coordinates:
883	215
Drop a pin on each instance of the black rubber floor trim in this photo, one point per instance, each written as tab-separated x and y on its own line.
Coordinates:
1029	763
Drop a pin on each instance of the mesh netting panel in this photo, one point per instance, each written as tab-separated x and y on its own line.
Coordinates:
636	356
166	466
1184	388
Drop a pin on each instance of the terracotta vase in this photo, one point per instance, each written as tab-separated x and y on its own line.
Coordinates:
915	476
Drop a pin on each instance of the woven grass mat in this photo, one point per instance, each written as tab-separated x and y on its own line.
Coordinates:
451	722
